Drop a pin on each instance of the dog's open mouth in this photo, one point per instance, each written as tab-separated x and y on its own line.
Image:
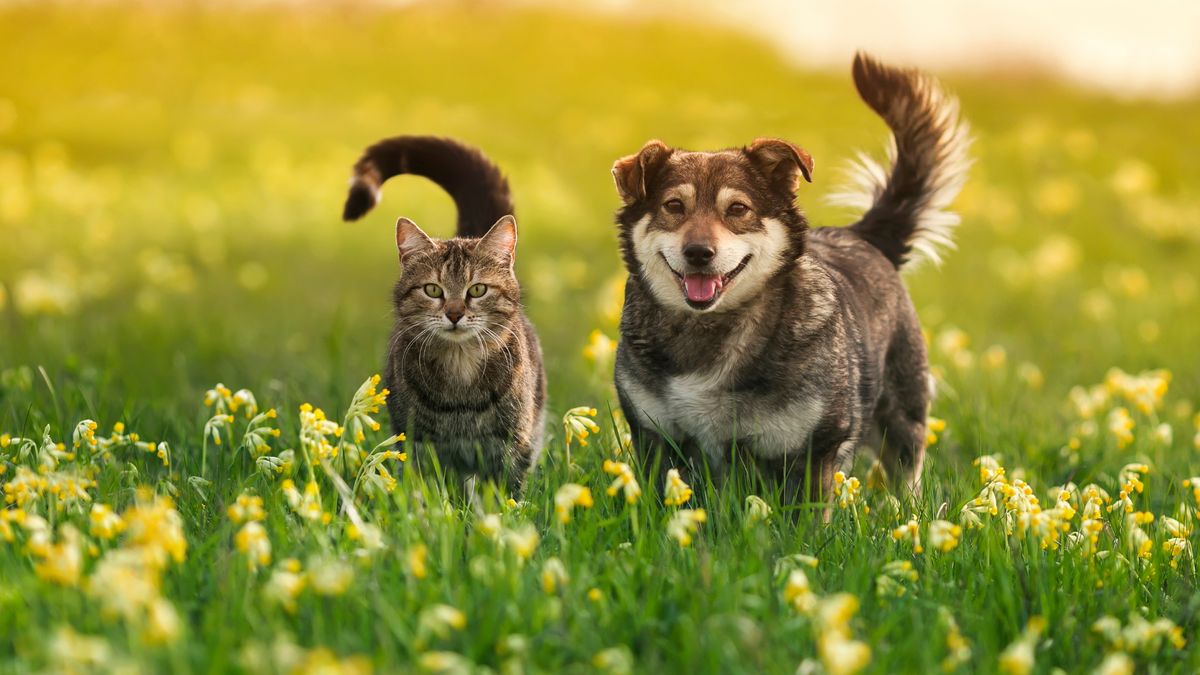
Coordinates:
702	290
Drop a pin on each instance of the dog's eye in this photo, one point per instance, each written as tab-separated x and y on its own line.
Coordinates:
433	290
737	208
477	290
674	206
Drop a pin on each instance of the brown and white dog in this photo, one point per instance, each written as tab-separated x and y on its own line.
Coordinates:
746	336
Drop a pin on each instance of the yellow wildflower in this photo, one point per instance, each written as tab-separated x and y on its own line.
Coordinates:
798	593
847	489
1018	657
440	619
577	425
157	528
683	523
600	348
286	584
1120	425
416	561
568	497
625	480
61	563
934	426
554	574
757	510
105	523
252	541
162	622
911	532
523	542
677	492
247	507
329	576
943	535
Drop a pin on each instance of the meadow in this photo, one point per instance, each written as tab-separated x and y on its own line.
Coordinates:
170	187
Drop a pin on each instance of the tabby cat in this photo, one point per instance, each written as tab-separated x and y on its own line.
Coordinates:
463	366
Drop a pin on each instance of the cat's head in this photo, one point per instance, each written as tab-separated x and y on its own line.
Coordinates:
457	290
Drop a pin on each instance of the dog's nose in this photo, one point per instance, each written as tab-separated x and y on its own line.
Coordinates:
698	254
454	315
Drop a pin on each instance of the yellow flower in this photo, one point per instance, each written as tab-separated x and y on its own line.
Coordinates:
156	527
614	660
416	561
162	622
1120	425
1178	548
625	480
1018	657
568	497
677	492
577	425
600	348
252	541
554	574
329	576
798	593
683	523
1130	477
62	563
757	510
993	358
989	468
1115	663
286	584
247	507
594	595
943	535
523	542
842	655
909	531
440	619
105	523
847	489
934	426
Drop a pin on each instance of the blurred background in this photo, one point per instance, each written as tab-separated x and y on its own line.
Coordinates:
171	174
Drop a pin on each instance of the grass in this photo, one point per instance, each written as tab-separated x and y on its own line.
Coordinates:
170	180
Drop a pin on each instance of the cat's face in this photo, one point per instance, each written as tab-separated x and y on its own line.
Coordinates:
458	290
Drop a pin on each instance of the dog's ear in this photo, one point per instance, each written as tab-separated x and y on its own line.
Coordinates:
501	240
633	172
781	162
411	240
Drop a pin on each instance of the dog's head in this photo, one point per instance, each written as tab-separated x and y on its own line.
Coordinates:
706	230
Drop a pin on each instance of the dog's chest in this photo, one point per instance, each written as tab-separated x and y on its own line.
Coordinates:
705	408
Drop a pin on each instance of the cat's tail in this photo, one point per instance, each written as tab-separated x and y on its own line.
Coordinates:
905	204
478	188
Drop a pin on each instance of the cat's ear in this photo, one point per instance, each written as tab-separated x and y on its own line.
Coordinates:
501	240
411	240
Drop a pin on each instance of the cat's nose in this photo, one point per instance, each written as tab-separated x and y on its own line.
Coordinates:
454	315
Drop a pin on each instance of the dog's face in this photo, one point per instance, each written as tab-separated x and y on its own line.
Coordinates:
706	230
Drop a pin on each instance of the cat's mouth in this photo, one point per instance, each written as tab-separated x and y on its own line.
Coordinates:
702	291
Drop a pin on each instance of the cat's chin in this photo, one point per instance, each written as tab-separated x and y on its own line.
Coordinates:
457	336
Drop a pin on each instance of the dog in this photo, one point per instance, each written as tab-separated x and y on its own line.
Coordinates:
748	337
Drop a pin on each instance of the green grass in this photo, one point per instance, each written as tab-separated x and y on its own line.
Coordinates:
171	180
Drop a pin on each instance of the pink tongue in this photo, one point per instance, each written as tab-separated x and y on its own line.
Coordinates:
701	287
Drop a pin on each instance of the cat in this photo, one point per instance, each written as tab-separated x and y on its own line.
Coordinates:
464	367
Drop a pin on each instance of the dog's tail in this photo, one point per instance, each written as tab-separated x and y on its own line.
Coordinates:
904	208
478	188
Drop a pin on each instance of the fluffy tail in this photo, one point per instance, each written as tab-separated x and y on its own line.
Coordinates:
478	188
904	207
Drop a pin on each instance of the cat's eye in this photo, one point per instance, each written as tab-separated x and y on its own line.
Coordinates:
433	290
477	290
737	208
674	206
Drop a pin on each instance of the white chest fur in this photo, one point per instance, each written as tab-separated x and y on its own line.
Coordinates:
704	408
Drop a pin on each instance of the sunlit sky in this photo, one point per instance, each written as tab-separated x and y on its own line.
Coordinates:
1129	49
